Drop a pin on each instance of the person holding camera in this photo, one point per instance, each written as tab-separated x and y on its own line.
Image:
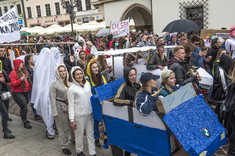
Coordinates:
80	111
20	86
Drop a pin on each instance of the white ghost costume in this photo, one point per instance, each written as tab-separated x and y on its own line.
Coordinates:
43	76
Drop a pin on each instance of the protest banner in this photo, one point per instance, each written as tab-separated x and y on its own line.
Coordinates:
9	27
119	29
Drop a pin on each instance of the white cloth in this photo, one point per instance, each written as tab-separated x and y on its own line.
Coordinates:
230	46
85	123
79	98
44	75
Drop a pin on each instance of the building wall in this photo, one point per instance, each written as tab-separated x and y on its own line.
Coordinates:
9	3
45	20
220	13
114	11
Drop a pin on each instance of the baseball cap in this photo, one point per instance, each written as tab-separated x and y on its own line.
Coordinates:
148	76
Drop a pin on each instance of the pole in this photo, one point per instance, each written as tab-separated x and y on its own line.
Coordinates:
71	16
25	22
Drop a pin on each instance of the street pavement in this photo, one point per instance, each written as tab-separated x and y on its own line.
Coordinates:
33	142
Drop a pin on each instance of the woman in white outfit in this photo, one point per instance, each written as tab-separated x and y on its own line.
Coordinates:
59	106
80	111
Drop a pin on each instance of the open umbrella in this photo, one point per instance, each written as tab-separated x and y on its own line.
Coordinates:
103	32
183	25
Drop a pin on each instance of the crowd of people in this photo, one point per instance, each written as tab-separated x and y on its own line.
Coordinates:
82	71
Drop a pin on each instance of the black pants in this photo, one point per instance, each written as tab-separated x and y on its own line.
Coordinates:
22	100
4	113
232	124
116	151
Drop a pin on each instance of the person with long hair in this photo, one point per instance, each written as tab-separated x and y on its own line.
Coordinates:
146	97
215	64
20	86
230	106
95	79
80	111
29	65
82	61
59	106
105	69
4	103
168	83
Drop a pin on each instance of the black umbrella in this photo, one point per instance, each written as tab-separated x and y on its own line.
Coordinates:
183	25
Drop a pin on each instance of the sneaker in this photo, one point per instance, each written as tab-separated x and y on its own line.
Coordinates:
27	125
66	151
50	137
8	136
97	143
81	154
26	121
37	117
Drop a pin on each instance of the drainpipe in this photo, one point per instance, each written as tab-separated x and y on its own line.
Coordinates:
25	22
151	3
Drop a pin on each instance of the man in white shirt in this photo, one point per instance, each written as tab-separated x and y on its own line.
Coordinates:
230	42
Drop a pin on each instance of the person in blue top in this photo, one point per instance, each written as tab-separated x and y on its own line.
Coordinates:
168	83
146	98
95	79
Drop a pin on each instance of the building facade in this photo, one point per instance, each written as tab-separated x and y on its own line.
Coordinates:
156	14
86	12
45	13
6	5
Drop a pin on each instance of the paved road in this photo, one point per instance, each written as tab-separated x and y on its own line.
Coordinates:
34	143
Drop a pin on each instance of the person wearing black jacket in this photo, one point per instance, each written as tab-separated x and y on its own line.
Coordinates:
158	60
125	97
220	84
176	65
4	104
69	62
6	63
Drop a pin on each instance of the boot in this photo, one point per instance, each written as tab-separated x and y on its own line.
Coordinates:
81	154
27	125
97	143
93	155
66	151
7	130
8	136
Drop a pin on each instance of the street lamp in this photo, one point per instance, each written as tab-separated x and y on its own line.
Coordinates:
70	8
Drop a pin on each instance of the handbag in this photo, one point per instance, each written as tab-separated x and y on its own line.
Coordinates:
5	95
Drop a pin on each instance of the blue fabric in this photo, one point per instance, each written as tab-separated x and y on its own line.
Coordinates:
187	122
201	62
196	56
109	90
96	108
137	139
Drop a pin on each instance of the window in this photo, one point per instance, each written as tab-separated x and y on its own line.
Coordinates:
88	4
79	5
38	9
0	11
57	8
61	24
11	6
195	14
48	9
67	7
29	12
5	9
19	9
67	22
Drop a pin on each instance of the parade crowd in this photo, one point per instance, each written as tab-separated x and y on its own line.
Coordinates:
83	71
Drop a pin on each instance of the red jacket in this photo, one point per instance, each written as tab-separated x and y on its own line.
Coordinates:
87	51
15	81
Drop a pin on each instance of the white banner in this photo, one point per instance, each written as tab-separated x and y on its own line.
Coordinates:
119	29
9	27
